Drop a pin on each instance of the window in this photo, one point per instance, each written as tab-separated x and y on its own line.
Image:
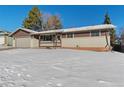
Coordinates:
95	33
82	34
70	35
58	38
46	38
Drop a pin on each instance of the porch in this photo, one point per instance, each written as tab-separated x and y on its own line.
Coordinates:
48	40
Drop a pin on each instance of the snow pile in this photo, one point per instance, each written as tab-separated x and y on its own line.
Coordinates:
12	75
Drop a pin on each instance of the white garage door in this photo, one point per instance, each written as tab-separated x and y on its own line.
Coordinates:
1	40
23	42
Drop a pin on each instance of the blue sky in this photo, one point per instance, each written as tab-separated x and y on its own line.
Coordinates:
11	17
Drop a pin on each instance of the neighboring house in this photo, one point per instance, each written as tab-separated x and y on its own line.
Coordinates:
88	38
5	40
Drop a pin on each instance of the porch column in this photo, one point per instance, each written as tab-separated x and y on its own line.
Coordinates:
39	39
55	40
61	40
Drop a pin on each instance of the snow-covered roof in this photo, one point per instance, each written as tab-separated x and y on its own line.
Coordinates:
49	31
90	28
28	30
3	32
80	29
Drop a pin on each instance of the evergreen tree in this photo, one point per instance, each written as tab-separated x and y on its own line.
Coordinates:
107	19
112	32
34	20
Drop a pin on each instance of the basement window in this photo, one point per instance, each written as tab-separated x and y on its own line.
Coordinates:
95	33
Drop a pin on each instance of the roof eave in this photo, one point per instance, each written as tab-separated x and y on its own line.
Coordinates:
20	29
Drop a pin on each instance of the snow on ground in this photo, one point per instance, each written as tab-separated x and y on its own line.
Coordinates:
60	68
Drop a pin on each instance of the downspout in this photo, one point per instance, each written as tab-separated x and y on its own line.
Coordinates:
107	43
106	39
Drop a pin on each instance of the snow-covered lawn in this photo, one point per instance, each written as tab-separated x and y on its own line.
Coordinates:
60	67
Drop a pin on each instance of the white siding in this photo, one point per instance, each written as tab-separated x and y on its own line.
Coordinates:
13	42
23	42
2	40
97	41
34	42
